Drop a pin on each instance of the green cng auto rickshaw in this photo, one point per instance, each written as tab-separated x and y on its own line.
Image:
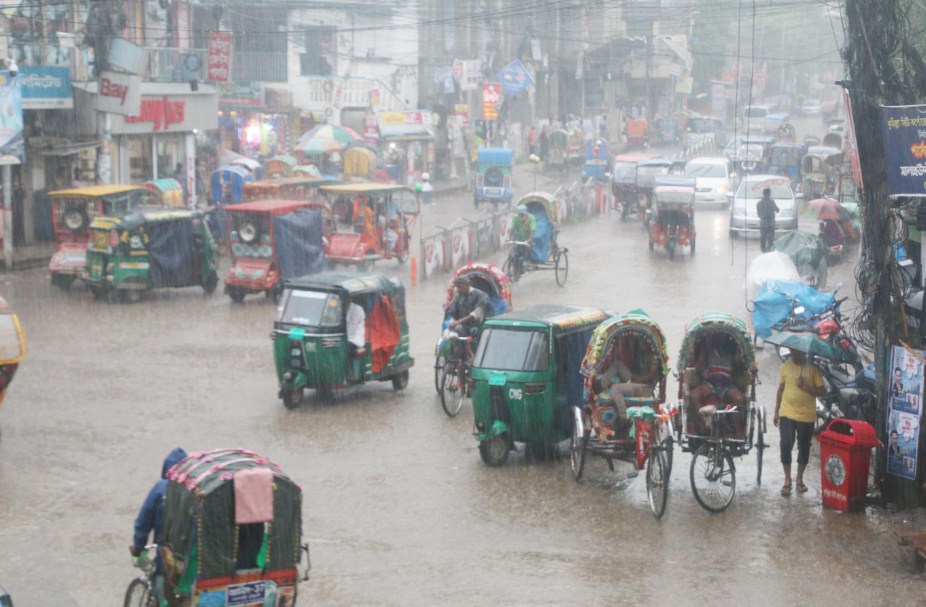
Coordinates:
311	335
232	533
149	249
526	378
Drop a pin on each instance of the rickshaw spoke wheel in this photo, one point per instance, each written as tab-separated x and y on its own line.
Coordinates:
713	477
561	268
668	448
494	452
577	452
451	392
760	447
657	482
137	595
438	367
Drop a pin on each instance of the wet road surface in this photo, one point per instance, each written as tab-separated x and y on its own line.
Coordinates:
398	507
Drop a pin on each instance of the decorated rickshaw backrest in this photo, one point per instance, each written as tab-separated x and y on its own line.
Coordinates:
708	325
489	279
635	339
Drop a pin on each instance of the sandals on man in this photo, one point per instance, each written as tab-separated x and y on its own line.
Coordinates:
801	488
786	490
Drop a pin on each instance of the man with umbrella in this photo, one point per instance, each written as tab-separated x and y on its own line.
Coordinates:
800	384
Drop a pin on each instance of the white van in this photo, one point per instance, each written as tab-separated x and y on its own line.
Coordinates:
756	116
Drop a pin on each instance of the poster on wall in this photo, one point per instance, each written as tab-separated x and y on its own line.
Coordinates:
906	405
12	145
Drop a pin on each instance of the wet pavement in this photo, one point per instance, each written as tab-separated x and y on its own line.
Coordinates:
398	507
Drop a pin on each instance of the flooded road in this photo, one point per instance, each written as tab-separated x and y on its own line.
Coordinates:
398	507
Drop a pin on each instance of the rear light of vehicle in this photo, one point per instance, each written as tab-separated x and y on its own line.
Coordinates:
113	238
507	181
535	387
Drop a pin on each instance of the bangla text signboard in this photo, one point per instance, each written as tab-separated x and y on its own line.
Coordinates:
491	95
904	131
219	57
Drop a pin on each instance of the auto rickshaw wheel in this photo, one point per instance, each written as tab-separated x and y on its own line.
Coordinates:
130	296
366	265
692	246
561	267
670	247
292	397
211	282
62	281
651	244
494	452
97	292
236	294
400	380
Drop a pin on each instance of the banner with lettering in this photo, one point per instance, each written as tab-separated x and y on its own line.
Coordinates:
119	93
903	128
45	88
220	54
491	95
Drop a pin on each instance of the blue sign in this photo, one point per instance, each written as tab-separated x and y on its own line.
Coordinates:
904	131
514	78
239	595
45	88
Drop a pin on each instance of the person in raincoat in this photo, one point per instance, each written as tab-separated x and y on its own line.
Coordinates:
150	521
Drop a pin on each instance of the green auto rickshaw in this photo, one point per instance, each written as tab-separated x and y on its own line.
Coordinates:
149	249
318	317
526	377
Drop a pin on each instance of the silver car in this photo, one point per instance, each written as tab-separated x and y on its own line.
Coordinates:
743	215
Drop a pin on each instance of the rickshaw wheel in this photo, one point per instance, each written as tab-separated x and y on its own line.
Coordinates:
97	292
236	294
292	398
713	477
657	482
451	390
211	282
366	265
137	595
494	452
438	366
561	267
577	453
668	448
400	380
760	447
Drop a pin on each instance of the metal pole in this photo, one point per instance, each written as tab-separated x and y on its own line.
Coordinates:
8	216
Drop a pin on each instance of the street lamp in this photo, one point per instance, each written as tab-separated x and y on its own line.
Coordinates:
536	160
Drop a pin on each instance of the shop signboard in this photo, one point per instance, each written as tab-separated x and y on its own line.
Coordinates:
45	88
219	57
491	95
514	78
126	56
462	113
119	93
906	406
903	128
240	94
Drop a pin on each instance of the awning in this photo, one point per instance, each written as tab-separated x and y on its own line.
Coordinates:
69	149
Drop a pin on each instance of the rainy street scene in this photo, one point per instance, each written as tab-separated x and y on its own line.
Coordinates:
461	303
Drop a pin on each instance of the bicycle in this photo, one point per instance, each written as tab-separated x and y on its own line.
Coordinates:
454	382
141	591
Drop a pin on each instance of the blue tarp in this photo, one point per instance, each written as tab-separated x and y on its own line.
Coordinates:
171	254
774	302
543	235
299	243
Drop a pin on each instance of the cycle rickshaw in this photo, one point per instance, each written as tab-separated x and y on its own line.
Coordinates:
545	253
718	418
672	217
642	434
450	372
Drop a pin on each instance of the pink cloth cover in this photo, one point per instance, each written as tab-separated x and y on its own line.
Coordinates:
253	496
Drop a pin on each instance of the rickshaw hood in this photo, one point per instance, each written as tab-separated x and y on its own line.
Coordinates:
172	459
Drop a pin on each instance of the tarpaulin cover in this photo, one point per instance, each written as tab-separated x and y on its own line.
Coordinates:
384	333
200	510
808	253
773	265
172	255
300	250
774	302
543	235
570	350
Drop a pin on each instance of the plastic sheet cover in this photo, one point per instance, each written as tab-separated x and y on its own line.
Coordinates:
774	301
299	243
171	254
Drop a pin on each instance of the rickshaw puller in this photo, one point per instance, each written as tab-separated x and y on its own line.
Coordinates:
523	226
467	311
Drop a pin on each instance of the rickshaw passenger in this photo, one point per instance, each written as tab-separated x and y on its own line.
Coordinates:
467	311
721	376
620	382
523	226
150	520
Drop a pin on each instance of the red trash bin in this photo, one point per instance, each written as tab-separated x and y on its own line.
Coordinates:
845	451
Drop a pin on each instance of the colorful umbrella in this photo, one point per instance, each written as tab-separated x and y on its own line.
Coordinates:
828	208
326	139
810	343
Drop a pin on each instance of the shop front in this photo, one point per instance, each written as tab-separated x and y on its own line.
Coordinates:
406	144
160	141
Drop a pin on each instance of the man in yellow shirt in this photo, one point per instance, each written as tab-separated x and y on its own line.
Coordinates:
800	383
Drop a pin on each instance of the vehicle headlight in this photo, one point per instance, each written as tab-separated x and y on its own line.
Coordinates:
722	188
787	213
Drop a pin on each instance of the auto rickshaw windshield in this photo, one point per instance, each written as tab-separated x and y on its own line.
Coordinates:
510	350
625	172
312	308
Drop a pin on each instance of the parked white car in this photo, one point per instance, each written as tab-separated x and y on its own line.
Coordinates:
714	177
743	215
812	107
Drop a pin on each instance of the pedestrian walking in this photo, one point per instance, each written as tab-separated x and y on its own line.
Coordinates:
544	144
531	141
800	383
427	190
766	209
